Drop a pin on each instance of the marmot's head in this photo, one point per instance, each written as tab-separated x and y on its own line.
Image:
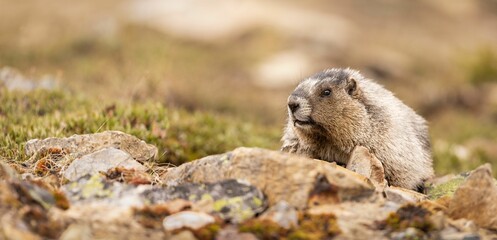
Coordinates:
329	105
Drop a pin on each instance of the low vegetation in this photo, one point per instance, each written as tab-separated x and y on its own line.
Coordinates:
180	135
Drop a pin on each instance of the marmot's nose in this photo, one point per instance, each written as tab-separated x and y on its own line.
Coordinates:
293	105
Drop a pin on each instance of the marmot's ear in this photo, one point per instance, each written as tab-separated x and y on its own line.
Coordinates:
351	87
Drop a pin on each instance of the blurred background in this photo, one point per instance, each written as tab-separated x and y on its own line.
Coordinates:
239	60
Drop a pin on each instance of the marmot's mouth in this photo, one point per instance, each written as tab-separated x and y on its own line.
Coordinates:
299	123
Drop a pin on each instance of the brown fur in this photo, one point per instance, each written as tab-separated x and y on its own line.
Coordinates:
358	112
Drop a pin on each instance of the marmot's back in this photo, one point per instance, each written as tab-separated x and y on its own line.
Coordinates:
335	110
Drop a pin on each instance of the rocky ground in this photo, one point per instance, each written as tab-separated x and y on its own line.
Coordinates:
106	186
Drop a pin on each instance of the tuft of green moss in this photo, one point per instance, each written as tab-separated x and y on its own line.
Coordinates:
207	232
323	226
445	189
180	135
263	229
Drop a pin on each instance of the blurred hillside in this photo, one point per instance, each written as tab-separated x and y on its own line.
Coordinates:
243	58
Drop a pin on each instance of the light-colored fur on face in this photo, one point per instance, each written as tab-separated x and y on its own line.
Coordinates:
357	112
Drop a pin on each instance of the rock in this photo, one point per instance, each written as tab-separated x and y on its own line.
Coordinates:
25	210
363	162
476	199
97	189
187	219
356	219
408	222
230	232
409	233
456	229
101	161
80	145
402	195
462	236
281	176
177	205
183	235
7	172
24	190
108	221
283	214
230	200
12	228
77	232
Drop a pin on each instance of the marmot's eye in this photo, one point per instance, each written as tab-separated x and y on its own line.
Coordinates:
326	92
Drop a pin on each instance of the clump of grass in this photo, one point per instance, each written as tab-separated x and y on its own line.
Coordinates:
180	135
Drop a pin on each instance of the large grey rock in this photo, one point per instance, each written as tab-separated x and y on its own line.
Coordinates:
101	161
96	189
476	199
80	145
281	176
231	200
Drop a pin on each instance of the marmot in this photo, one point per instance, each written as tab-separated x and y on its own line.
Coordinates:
332	112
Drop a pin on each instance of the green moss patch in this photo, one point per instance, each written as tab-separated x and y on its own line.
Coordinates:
445	189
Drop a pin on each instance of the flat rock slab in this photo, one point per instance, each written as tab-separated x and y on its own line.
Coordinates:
230	199
281	176
402	195
96	188
88	143
476	199
101	161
